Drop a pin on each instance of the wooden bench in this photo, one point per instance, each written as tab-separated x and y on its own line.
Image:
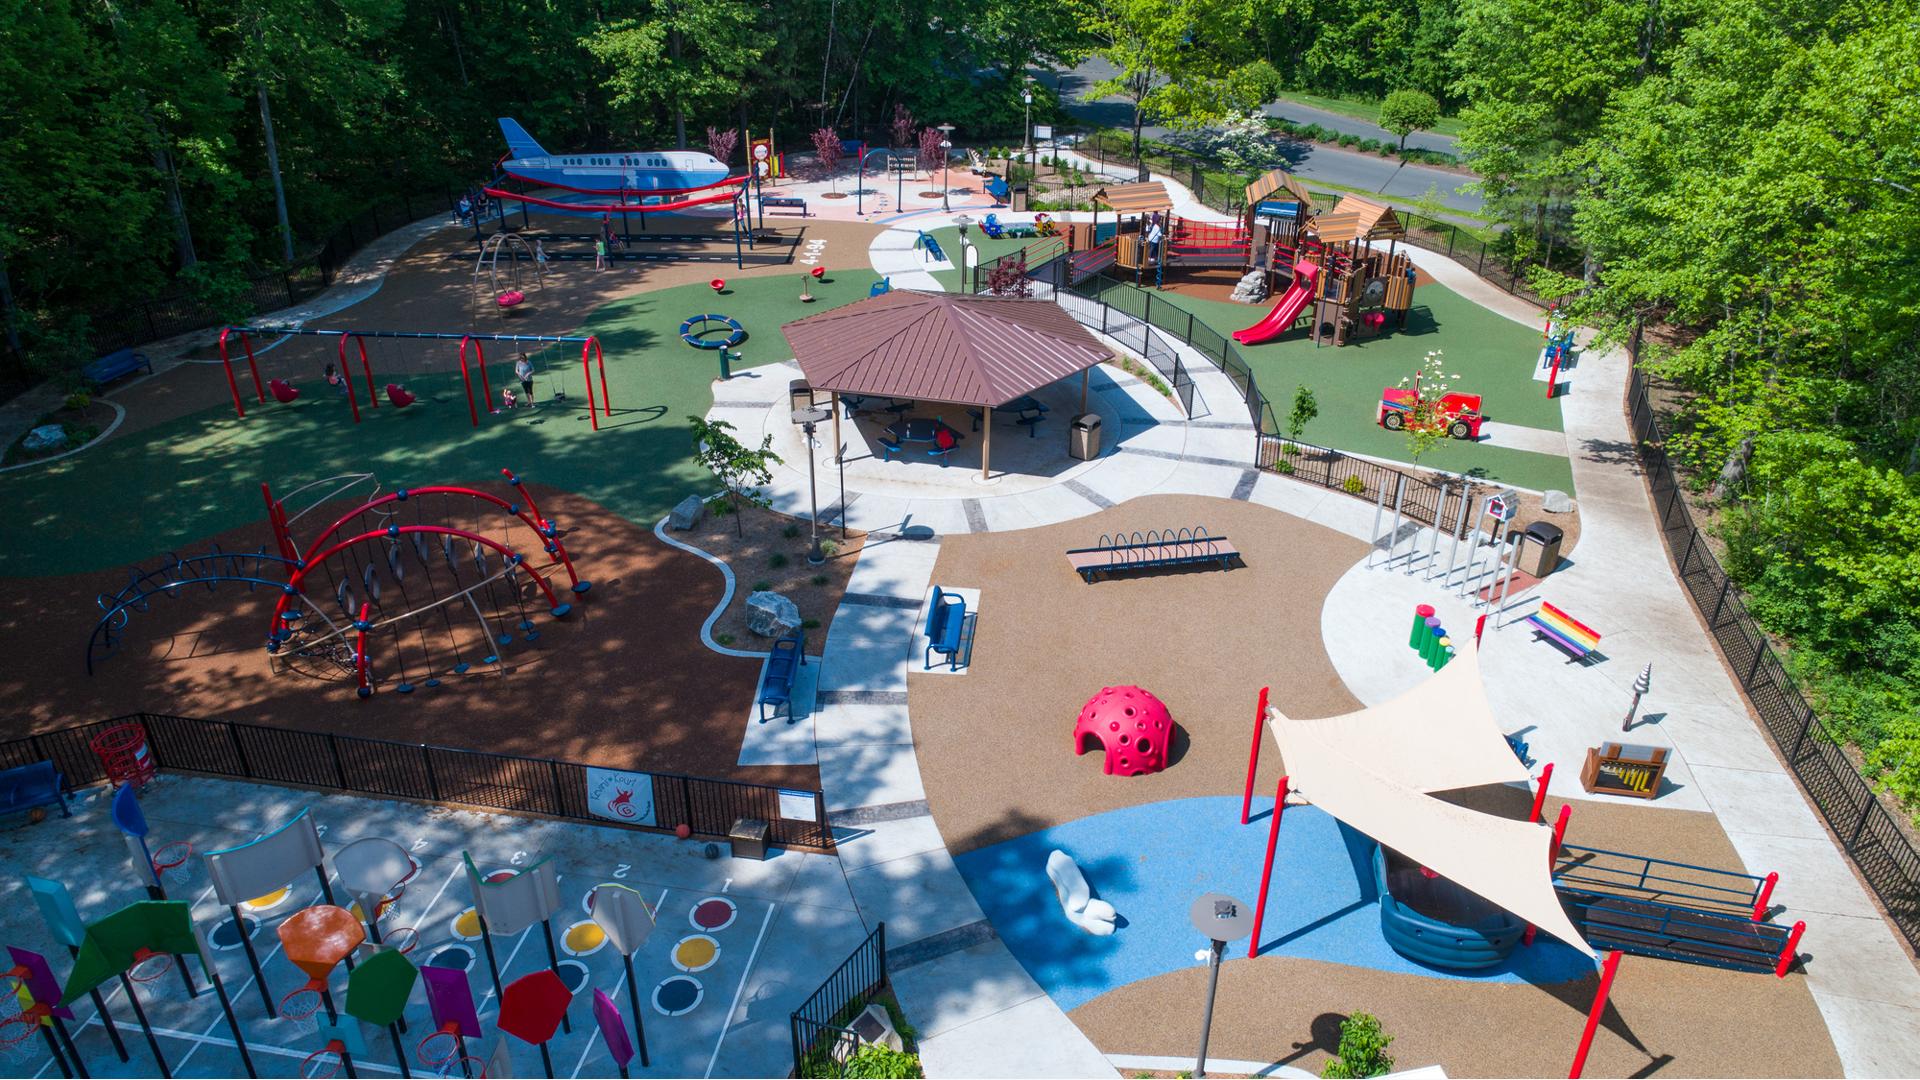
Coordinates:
114	365
947	629
31	786
785	202
776	678
1572	636
1154	549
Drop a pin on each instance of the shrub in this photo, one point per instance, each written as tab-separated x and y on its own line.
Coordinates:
809	624
1353	485
1369	146
829	547
819	579
1349	141
1283	466
777	560
762	586
876	1061
1363	1049
724	639
79	400
790	531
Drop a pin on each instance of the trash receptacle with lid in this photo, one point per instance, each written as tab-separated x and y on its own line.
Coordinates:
1540	549
748	838
799	395
1083	437
1017	199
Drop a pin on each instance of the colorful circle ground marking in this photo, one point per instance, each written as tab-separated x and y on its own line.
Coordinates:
502	874
713	914
455	957
226	935
678	996
270	901
573	973
695	952
586	898
466	925
583	938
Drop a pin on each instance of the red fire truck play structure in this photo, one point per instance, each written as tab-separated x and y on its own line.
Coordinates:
1458	413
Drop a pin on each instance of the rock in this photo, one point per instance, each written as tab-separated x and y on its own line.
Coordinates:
45	437
687	514
771	615
1251	288
1556	502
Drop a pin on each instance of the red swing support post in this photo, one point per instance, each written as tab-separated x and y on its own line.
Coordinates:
586	373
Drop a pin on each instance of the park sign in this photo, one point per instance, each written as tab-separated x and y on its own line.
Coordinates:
618	795
1622	769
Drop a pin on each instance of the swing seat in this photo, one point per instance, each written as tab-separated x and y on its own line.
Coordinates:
510	298
282	390
399	396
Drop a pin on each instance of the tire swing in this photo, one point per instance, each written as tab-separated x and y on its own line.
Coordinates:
504	289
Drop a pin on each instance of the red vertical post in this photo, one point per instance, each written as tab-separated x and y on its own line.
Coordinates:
346	380
1540	797
486	388
246	342
586	375
1553	377
1266	872
360	650
1764	902
1253	755
600	358
1479	625
232	383
466	380
1559	832
1593	1018
1790	952
367	366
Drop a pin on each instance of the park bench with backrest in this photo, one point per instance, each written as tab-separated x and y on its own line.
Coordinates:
1153	550
30	786
947	629
785	202
1560	629
114	365
776	678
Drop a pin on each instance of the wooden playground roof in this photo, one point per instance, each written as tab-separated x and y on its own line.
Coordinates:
950	347
1134	198
1278	180
1354	218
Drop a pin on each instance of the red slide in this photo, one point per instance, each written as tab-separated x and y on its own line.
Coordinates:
1286	311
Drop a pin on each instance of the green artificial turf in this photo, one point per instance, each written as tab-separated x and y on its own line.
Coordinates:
1493	356
989	250
138	496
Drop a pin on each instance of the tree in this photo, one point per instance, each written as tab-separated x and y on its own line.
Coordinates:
1407	111
826	154
1305	409
741	471
902	127
683	55
1186	63
1425	423
721	141
1363	1049
931	154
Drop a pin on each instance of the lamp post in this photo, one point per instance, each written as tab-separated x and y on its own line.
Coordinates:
1026	98
807	418
961	221
1222	919
946	154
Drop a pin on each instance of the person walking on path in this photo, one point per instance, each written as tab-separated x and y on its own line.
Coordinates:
600	254
540	255
523	370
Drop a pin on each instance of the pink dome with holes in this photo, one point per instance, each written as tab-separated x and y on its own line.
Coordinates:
1131	725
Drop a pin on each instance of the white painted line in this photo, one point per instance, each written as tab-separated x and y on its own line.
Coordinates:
256	1048
504	968
727	1022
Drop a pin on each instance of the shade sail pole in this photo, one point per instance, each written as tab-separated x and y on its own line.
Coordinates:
1085	374
986	446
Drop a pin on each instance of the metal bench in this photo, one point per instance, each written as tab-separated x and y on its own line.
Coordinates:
1154	549
115	364
776	678
30	786
947	629
785	202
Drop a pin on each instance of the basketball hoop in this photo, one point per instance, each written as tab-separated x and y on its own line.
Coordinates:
309	1067
436	1057
171	860
148	966
16	1018
445	1068
304	1009
403	938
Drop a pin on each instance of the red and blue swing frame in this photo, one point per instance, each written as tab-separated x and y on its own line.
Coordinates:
591	356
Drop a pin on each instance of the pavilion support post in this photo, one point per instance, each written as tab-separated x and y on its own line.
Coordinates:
833	402
986	446
1085	374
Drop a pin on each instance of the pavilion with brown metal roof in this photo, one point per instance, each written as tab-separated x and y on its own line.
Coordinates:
952	348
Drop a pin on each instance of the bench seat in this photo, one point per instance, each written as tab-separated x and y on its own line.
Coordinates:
776	679
1565	632
114	365
30	786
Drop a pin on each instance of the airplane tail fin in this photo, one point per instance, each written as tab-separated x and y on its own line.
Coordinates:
519	143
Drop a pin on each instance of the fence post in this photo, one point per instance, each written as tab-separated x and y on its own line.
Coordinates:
286	278
1800	739
433	781
146	308
1759	650
559	800
820	819
1691	537
239	751
1853	838
339	770
1725	585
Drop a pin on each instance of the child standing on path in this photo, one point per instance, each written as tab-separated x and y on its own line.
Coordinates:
540	255
600	254
523	370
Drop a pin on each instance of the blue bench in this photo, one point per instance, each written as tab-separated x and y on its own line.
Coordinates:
776	679
785	202
946	628
114	365
30	786
997	188
881	287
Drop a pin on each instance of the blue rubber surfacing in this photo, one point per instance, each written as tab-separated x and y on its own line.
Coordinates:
1150	862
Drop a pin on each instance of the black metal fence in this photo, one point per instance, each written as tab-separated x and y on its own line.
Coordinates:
822	1041
439	774
1867	831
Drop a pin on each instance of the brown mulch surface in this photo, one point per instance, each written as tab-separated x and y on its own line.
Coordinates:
429	290
751	558
623	681
1687	1020
996	744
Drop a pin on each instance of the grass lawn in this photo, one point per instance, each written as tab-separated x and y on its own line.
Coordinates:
989	250
1363	109
1494	357
138	496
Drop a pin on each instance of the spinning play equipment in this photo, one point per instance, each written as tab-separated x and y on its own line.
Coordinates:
698	331
1131	725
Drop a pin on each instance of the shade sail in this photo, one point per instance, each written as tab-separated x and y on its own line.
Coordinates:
950	347
1373	770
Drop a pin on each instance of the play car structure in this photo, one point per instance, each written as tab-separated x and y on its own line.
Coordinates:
1458	413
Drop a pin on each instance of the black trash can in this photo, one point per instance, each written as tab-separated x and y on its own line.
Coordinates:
1017	199
1540	548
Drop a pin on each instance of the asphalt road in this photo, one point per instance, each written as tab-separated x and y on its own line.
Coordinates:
1388	177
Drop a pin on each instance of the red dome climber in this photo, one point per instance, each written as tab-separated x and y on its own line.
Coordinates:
1133	727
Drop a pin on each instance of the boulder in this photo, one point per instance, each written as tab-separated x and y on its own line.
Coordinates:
686	515
771	615
1556	502
45	437
1251	288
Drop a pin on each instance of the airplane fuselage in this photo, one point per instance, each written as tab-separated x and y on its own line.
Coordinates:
642	171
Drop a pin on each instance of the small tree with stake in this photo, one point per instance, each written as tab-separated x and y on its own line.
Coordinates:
741	471
902	125
1426	424
931	155
826	153
1407	111
1363	1049
721	143
1305	409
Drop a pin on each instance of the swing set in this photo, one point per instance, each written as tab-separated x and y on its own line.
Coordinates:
591	357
